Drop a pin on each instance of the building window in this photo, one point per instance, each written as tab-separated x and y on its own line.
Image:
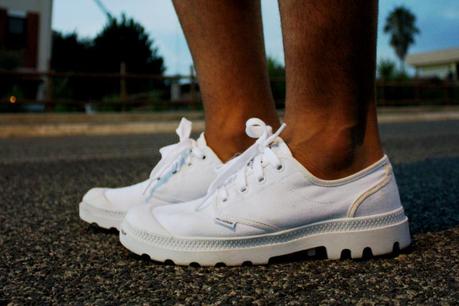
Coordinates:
16	33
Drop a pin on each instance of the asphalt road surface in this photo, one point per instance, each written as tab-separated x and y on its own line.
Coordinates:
49	256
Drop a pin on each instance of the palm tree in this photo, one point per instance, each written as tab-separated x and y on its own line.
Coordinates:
401	25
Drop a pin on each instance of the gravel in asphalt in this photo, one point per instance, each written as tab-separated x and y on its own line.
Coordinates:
49	256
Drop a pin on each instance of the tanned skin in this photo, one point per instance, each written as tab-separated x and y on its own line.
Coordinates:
330	56
226	42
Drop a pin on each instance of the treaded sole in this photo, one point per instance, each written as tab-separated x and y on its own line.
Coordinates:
92	215
379	240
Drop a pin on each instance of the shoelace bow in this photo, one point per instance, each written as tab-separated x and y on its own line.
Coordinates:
175	156
253	158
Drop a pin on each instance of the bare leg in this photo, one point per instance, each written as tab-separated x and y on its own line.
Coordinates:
226	42
330	49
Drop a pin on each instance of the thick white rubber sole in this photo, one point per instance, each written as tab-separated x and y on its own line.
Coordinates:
102	218
380	233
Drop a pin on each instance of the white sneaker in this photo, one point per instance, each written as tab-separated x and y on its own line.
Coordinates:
184	173
273	206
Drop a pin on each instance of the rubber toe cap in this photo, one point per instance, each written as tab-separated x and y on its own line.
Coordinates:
142	219
96	197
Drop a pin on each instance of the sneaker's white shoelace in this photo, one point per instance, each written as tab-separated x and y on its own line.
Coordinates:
175	156
253	158
265	156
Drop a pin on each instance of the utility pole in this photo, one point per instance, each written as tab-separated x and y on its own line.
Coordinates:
104	9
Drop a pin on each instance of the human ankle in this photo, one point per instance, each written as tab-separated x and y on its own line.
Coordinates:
333	154
229	143
227	136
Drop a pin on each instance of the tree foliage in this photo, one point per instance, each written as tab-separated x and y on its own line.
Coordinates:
276	73
401	26
121	40
70	53
125	40
387	71
275	68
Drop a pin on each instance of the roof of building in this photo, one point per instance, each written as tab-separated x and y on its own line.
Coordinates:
433	58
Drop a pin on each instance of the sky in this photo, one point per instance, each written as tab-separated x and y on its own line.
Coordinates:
438	21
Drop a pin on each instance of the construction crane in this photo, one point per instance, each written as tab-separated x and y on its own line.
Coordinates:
104	9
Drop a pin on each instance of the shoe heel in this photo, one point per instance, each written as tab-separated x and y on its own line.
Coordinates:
378	241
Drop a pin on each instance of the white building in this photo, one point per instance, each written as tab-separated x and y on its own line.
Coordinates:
443	64
25	26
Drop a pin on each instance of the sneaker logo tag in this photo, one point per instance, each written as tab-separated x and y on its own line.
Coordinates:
226	223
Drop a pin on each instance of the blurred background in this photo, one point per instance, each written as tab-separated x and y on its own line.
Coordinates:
115	56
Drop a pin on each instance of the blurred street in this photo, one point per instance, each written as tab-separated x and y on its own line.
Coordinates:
49	256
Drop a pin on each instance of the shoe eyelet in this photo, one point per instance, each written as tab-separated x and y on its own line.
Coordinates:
204	157
158	178
174	172
243	189
190	164
279	167
225	200
261	179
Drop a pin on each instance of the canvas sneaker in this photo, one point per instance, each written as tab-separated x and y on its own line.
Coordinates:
184	173
267	204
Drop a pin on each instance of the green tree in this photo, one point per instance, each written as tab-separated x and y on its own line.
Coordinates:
276	73
386	70
125	40
401	26
70	53
275	68
122	40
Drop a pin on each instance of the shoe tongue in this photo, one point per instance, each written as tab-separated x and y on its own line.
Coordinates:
279	147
